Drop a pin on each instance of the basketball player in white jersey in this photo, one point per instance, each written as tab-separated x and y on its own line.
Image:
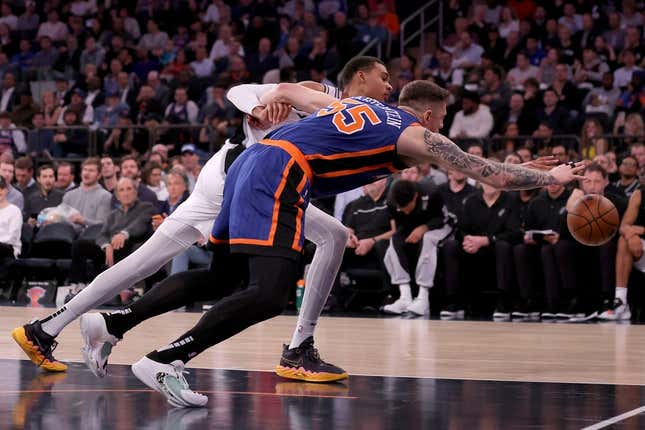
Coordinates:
192	222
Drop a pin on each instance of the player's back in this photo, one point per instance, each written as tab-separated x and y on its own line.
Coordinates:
349	143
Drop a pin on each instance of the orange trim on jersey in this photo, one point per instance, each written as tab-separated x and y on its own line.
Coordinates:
388	166
292	150
213	239
415	124
276	196
351	154
296	237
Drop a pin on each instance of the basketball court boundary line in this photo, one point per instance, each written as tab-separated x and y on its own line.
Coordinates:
616	419
448	378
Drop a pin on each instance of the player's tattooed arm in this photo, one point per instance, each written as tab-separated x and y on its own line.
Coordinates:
500	175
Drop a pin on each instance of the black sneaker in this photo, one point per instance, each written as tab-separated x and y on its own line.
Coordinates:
304	363
38	346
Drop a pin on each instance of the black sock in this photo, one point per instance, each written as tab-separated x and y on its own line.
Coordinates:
178	290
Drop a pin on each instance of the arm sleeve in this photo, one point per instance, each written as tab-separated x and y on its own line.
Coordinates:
19	140
104	238
455	128
511	232
246	97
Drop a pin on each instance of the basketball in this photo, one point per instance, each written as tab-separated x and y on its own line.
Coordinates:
593	220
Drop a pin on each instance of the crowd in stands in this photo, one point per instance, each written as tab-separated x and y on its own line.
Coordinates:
109	107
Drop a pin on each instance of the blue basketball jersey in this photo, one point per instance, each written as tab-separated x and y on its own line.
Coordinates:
348	144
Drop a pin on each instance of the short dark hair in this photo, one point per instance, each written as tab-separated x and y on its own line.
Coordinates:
45	167
66	164
128	157
402	193
595	167
420	93
24	163
362	63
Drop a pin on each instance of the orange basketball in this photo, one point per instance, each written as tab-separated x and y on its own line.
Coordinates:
593	220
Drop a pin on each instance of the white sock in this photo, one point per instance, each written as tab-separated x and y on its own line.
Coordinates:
406	294
423	293
621	293
54	323
304	329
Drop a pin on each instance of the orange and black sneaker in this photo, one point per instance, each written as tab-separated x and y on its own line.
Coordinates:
304	363
38	346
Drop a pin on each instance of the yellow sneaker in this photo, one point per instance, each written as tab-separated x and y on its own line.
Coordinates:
38	346
304	364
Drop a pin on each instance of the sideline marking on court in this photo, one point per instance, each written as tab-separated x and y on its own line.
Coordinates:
129	390
617	418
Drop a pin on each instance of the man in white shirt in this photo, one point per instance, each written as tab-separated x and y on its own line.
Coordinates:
623	76
10	226
467	53
522	71
56	30
202	66
474	120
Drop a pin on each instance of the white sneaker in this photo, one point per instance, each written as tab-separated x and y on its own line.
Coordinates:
457	314
582	317
168	379
620	312
97	343
419	307
398	307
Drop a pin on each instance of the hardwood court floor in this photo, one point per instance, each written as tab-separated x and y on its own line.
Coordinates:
531	352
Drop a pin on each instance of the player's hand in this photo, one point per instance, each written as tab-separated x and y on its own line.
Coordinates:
118	241
565	173
364	246
109	256
277	112
528	240
259	119
352	241
542	163
552	238
417	234
629	230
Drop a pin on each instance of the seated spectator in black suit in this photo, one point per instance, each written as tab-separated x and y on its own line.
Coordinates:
545	212
482	251
421	222
44	196
10	227
262	61
628	182
552	113
123	228
455	193
595	285
70	142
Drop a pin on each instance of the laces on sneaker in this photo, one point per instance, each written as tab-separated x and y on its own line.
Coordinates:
47	352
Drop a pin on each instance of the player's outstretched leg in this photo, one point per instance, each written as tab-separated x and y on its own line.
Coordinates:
101	331
300	360
37	338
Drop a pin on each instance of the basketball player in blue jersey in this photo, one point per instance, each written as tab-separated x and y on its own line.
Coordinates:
258	236
193	219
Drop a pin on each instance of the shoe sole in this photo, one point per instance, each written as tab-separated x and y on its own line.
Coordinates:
90	362
20	337
300	374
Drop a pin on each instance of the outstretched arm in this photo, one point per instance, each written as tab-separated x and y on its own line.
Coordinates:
301	97
418	145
